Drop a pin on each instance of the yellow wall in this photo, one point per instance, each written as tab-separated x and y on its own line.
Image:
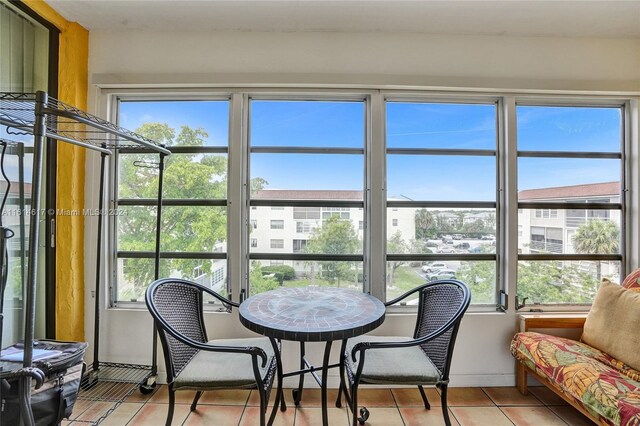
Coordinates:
72	89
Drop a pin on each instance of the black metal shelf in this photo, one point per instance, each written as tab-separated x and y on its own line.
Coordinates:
67	123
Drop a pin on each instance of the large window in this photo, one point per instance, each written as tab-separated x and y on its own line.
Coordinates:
377	192
441	196
570	177
307	157
194	216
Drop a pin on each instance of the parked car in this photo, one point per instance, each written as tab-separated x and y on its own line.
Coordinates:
442	274
488	237
433	267
462	246
456	236
446	249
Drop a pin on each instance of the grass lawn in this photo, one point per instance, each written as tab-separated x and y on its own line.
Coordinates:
404	280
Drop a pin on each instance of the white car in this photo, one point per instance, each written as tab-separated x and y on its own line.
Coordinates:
433	267
442	274
446	249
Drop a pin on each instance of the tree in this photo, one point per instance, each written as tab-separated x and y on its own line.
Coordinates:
597	237
395	245
258	282
335	236
424	224
183	229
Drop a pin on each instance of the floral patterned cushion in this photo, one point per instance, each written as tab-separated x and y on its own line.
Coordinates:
632	281
605	387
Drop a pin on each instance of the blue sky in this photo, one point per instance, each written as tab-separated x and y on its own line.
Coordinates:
409	125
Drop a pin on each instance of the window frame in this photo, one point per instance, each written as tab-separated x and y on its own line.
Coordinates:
375	217
622	103
115	201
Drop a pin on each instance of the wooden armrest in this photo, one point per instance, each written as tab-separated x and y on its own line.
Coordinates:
556	320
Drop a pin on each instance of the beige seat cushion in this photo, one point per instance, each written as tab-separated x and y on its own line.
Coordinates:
222	370
402	366
613	324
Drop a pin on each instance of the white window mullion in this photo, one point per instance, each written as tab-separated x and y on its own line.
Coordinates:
236	198
508	151
376	198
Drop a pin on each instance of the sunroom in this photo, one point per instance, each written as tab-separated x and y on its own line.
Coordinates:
320	212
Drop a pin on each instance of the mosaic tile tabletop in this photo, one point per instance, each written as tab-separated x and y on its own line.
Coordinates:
312	314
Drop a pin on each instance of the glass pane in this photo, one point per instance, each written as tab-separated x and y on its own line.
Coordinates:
135	275
307	123
178	123
422	230
184	229
197	176
429	125
136	228
271	274
441	178
569	129
553	178
326	230
569	231
563	282
311	174
479	276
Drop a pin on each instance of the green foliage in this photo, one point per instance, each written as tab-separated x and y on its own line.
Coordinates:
481	279
183	229
597	236
281	272
552	282
334	237
395	245
424	224
258	282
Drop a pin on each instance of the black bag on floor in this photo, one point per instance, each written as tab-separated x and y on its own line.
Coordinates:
63	366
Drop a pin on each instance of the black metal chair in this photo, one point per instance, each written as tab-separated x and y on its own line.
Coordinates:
424	359
194	363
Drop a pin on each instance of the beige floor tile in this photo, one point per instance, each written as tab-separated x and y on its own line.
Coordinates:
420	416
161	396
375	398
251	417
310	398
532	416
410	397
121	415
571	416
468	397
547	396
94	411
254	398
137	396
510	396
225	397
152	414
480	416
219	415
312	416
79	407
384	417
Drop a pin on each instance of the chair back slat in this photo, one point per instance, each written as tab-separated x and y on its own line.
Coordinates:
179	305
438	304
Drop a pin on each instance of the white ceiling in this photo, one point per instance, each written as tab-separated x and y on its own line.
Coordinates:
604	18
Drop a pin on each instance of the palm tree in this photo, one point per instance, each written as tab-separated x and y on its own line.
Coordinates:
424	221
597	237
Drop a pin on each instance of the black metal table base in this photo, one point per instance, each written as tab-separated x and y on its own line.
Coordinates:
307	368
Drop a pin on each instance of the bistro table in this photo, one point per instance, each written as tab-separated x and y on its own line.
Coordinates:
311	314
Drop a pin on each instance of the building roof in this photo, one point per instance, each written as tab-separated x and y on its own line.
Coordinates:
15	188
307	194
573	191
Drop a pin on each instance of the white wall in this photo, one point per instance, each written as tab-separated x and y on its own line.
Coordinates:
350	60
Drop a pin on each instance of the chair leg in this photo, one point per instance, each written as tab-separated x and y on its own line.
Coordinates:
263	406
172	401
354	404
424	398
445	409
341	369
195	400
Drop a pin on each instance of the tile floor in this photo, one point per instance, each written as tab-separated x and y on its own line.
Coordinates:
388	407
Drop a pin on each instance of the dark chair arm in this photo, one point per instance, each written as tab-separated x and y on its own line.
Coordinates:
252	350
407	294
